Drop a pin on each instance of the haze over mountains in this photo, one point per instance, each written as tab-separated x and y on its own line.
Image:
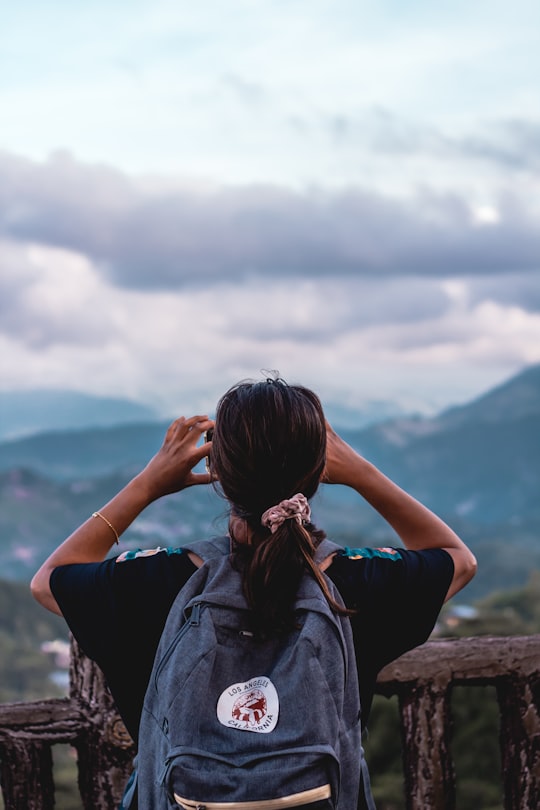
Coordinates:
25	413
478	465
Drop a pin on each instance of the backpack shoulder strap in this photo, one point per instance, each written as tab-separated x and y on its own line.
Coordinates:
221	546
324	549
208	549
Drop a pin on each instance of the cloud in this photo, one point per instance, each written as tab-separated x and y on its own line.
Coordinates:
169	291
370	222
181	237
511	144
512	289
51	296
67	326
315	312
250	93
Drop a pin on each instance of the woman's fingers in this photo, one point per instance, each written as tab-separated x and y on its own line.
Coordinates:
182	426
171	469
183	429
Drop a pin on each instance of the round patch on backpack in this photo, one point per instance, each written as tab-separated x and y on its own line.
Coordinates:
249	706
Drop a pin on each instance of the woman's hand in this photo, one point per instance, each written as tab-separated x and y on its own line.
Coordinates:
414	523
171	469
340	459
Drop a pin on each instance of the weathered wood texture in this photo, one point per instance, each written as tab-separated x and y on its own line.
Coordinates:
106	751
88	721
519	699
27	777
422	679
476	660
429	774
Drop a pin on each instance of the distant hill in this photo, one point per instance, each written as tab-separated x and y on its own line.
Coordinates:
89	436
87	453
24	413
480	461
516	399
369	412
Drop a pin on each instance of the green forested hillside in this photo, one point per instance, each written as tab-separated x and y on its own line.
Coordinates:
24	626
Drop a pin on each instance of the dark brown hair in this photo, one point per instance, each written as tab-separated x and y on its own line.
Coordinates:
269	443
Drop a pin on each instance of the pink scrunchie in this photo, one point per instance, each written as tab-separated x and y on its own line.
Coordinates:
295	508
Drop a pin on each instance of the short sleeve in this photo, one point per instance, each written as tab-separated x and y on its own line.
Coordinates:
397	595
84	593
116	610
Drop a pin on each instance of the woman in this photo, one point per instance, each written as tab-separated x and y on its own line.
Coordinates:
270	449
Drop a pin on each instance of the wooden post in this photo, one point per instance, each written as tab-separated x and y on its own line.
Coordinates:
428	768
512	664
27	779
519	699
106	750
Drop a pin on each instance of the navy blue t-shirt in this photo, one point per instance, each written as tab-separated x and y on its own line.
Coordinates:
117	610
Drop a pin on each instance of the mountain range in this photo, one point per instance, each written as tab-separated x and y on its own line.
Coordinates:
478	465
28	413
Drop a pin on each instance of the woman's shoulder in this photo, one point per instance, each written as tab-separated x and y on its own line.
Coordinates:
367	556
165	569
361	573
144	553
367	553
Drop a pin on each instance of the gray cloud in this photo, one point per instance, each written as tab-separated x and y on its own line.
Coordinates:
308	313
250	93
40	306
518	289
181	237
512	144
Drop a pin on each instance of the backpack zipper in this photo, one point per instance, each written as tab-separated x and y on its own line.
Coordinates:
193	621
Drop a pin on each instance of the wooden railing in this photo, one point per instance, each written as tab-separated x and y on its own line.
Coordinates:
422	680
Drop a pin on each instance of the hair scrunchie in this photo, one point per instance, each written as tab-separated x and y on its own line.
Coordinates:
295	508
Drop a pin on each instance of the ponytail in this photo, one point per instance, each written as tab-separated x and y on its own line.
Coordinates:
272	569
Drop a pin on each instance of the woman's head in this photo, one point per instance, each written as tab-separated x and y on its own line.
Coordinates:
269	443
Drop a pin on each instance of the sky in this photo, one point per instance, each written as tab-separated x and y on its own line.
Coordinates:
345	191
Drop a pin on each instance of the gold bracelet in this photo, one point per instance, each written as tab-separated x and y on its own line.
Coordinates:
109	524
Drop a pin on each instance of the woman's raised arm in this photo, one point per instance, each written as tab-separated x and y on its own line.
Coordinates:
416	525
170	470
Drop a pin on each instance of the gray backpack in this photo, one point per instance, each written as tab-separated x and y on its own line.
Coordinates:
228	718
